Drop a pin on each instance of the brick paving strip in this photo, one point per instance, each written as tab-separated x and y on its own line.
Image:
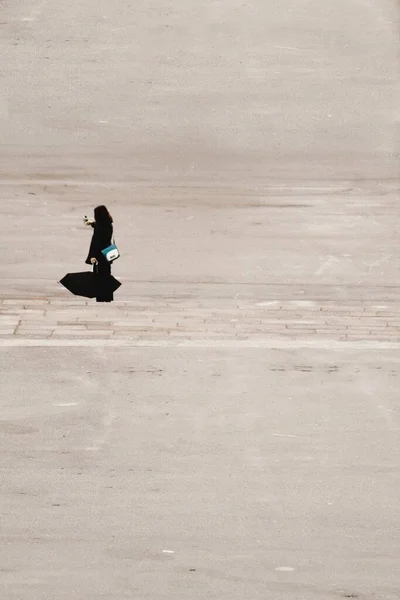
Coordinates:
195	321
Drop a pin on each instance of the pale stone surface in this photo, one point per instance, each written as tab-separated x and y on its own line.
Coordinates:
240	461
228	428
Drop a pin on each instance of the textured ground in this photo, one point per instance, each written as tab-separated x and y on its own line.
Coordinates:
229	427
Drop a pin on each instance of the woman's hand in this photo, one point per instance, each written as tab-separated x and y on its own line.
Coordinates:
93	261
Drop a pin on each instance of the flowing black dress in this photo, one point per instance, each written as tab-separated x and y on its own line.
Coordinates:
101	238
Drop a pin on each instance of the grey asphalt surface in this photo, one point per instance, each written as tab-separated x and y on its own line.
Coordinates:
229	427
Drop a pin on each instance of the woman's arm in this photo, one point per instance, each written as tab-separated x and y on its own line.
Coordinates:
89	221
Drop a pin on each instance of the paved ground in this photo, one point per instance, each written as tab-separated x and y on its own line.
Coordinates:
229	427
170	320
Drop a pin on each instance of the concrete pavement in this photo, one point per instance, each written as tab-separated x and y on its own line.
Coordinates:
146	473
228	428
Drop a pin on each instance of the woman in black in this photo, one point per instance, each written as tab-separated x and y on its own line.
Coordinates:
102	236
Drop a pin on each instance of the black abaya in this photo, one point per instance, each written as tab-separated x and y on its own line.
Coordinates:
101	239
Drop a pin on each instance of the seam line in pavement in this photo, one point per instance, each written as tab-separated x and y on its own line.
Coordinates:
217	344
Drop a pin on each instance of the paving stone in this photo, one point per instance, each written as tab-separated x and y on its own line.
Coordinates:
71	323
70	330
102	326
37	335
190	321
13	302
